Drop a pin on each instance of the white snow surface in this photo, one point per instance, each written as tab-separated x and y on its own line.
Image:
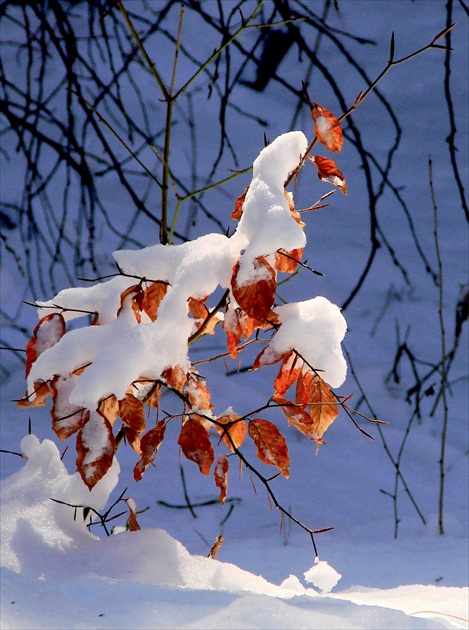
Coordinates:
147	579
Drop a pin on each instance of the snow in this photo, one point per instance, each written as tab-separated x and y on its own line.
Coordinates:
147	579
56	574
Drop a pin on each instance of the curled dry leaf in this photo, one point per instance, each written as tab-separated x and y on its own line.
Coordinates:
328	172
231	326
67	418
238	209
293	212
312	391
152	297
38	399
327	128
234	427
95	448
221	476
195	444
289	372
269	356
287	262
256	297
149	445
132	523
47	333
132	296
271	445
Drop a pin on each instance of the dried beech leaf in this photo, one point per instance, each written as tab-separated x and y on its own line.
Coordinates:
232	328
175	377
221	476
109	408
233	426
152	297
197	392
329	172
271	445
327	128
95	448
195	444
132	523
322	405
38	399
294	213
149	445
287	262
289	372
256	297
131	412
67	418
238	210
134	296
46	334
269	356
197	308
147	390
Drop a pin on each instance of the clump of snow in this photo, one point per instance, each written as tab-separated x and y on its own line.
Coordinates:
120	350
35	526
315	329
322	575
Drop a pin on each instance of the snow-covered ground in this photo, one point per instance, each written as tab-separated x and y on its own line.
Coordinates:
58	574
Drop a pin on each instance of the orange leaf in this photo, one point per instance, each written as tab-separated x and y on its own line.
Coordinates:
66	418
41	391
322	405
287	262
197	392
152	297
147	390
289	372
197	308
232	328
175	377
108	408
195	444
291	204
131	412
269	356
95	448
133	295
328	172
221	476
234	427
327	128
132	523
46	334
271	446
238	210
256	297
149	445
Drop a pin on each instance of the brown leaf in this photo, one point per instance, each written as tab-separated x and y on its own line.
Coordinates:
327	128
109	408
133	295
67	418
269	356
289	372
41	391
294	213
149	445
197	308
322	406
221	476
195	444
256	297
147	390
175	377
46	334
329	172
95	448
287	262
238	210
152	297
197	392
132	524
131	412
271	446
233	426
232	328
